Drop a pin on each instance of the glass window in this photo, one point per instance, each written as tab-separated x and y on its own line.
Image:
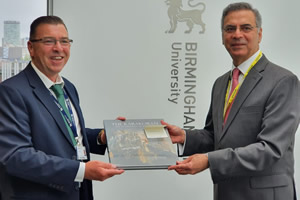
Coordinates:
15	19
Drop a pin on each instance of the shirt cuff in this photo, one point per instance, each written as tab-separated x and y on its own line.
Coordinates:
181	147
80	173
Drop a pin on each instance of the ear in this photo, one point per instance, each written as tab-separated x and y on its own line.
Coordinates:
260	35
30	48
222	38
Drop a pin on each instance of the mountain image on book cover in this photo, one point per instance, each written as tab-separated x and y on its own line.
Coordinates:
130	146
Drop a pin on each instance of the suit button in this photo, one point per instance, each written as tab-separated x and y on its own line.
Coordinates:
76	187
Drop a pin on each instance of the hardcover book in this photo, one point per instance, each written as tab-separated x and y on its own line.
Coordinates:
139	144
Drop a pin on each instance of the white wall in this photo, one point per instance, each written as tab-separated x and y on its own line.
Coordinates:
121	64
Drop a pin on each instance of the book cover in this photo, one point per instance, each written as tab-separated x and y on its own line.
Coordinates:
139	144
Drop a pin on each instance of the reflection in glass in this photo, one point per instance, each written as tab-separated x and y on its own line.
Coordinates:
15	19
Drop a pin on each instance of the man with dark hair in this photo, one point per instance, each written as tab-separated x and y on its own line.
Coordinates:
45	146
249	136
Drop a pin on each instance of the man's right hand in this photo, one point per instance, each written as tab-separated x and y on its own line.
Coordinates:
100	171
176	133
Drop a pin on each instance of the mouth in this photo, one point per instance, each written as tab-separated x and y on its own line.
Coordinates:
57	57
237	44
57	60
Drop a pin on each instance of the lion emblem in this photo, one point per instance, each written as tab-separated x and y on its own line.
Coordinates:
190	17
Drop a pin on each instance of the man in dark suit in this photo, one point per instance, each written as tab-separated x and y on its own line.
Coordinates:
249	136
45	147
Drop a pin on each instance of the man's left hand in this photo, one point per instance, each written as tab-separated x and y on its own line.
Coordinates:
192	165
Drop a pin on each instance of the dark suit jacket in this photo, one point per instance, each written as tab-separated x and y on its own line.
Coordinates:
37	158
252	156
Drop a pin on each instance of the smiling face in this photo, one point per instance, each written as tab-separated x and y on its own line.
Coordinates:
241	44
50	60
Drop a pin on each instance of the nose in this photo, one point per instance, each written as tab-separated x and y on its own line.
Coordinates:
57	45
237	33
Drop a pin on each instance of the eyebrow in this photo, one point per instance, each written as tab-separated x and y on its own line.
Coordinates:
236	25
55	38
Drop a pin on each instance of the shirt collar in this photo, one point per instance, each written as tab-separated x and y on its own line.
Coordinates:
47	82
246	64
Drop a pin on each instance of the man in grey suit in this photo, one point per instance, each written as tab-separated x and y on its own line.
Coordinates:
248	140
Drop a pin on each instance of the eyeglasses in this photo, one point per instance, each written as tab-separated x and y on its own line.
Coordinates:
246	28
49	41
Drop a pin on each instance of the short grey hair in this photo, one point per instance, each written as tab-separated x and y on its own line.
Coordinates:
241	6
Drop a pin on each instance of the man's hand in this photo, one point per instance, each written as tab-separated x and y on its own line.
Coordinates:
192	165
121	118
97	170
177	134
102	136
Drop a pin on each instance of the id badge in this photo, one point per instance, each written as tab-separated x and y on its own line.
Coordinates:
81	153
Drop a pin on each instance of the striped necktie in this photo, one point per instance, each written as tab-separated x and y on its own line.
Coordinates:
57	89
235	82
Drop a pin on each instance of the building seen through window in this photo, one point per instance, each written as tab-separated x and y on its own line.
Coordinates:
15	19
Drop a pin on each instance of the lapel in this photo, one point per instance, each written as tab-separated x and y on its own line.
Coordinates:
248	85
43	94
220	101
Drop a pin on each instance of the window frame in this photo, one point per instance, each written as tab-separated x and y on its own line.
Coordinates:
49	7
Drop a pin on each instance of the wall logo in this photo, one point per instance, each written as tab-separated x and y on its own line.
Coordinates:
190	17
185	59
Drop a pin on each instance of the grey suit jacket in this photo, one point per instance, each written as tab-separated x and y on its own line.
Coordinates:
252	156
